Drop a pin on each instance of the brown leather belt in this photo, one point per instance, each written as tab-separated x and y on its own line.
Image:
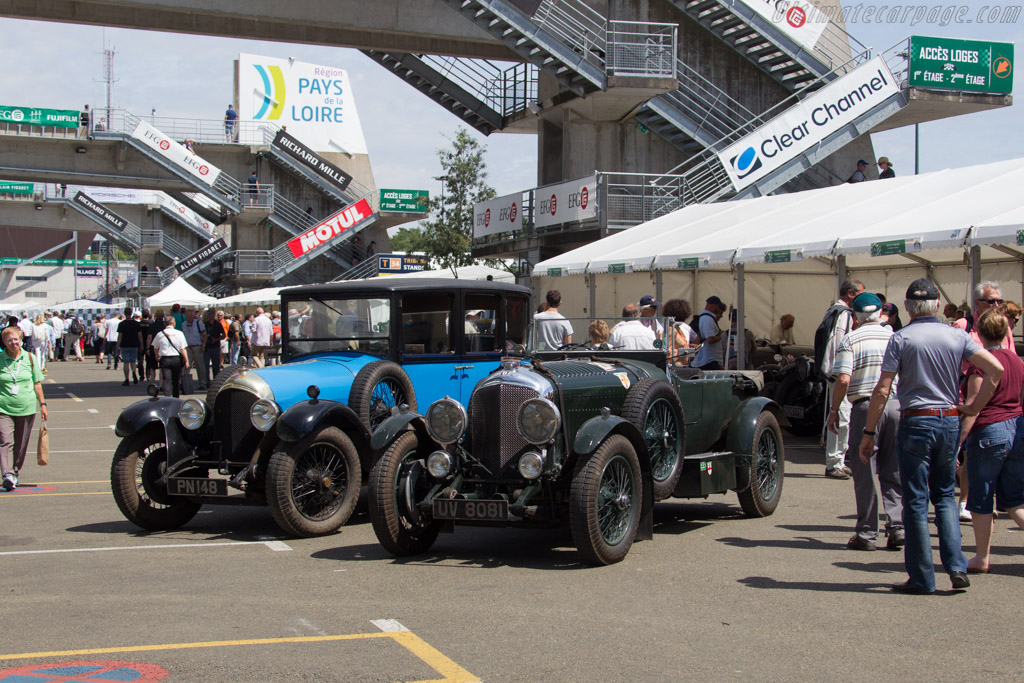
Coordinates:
930	412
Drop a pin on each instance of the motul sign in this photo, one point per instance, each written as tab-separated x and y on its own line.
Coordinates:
331	229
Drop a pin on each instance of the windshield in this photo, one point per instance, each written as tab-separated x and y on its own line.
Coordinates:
554	333
353	324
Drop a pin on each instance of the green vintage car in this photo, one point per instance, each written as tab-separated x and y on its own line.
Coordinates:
589	436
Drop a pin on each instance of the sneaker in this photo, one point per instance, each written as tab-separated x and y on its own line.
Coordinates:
124	383
897	539
858	543
965	514
10	481
836	473
847	470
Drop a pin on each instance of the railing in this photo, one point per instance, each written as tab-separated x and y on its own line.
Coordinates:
641	49
124	123
836	48
505	90
576	24
262	198
707	104
366	268
13	128
897	58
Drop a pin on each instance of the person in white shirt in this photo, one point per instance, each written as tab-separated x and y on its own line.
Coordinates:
169	346
782	333
110	340
553	330
262	338
632	333
25	325
41	341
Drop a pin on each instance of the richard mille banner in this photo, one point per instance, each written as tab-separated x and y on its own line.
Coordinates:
175	153
307	157
574	200
807	124
100	212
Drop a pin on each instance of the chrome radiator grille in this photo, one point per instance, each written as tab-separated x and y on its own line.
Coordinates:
492	418
239	439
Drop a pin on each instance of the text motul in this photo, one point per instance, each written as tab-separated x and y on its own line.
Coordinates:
330	228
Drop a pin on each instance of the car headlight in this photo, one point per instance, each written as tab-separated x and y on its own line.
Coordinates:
531	464
538	420
446	420
264	414
439	464
192	413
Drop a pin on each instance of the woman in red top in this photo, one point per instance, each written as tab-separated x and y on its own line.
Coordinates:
995	441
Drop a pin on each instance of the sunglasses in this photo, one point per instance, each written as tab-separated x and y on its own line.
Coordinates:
994	302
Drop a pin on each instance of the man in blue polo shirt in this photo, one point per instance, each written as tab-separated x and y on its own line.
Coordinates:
926	354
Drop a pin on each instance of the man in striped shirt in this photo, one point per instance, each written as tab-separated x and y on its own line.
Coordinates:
856	370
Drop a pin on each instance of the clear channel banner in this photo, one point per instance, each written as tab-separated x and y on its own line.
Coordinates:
805	125
568	202
176	153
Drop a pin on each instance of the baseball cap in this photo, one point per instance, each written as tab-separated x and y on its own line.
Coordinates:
714	300
648	300
867	303
861	162
922	290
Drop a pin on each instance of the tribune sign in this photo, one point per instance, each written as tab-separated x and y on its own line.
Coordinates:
175	153
953	64
501	214
568	202
807	124
315	102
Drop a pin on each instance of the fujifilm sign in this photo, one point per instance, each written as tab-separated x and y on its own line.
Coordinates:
807	124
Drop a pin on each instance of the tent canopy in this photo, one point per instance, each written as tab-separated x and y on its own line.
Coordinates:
180	292
934	215
257	297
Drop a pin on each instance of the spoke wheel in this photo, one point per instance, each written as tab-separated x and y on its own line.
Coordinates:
377	388
137	482
766	469
397	483
653	406
312	488
605	501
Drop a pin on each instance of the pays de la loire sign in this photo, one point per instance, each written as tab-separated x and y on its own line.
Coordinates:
954	64
501	214
334	228
807	124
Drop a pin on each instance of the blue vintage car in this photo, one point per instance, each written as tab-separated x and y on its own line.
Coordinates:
296	437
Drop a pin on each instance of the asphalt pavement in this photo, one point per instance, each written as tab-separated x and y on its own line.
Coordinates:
227	597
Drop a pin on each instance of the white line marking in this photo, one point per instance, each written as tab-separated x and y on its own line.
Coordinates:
98	450
146	547
310	627
388	625
92	410
277	545
80	428
87	410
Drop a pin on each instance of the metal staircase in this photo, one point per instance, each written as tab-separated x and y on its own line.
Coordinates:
293	220
768	48
225	190
270	131
130	238
180	220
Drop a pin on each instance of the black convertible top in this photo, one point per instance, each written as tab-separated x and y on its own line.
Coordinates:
398	283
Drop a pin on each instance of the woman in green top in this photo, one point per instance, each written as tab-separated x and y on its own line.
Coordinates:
21	393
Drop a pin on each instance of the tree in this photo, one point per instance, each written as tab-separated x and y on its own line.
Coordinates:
448	237
408	240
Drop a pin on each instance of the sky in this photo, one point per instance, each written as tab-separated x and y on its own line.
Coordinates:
60	66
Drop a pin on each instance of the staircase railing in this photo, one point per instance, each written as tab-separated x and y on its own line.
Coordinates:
707	104
637	48
578	25
506	90
364	269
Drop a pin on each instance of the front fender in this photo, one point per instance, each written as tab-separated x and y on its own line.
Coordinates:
743	421
389	429
303	418
164	410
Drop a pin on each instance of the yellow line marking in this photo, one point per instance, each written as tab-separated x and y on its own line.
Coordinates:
451	672
73	397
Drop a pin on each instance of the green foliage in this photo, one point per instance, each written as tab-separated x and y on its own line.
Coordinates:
409	240
448	236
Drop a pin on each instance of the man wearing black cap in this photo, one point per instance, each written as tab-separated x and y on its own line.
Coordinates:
927	356
648	309
709	355
858	175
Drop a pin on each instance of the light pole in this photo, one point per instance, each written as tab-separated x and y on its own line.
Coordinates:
443	179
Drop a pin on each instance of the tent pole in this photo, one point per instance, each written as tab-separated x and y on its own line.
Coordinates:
658	286
975	266
739	341
840	274
592	287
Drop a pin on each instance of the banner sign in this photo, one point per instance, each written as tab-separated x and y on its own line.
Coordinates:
501	214
114	195
205	254
295	149
894	247
407	201
7	187
101	212
575	200
799	20
175	153
184	213
33	116
688	264
89	271
400	263
341	223
953	64
808	123
315	102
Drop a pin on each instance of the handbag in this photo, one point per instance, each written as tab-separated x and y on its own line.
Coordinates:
43	448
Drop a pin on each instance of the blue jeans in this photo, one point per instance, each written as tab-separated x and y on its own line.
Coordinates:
926	448
233	355
995	466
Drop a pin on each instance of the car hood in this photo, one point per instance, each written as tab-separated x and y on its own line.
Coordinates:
333	375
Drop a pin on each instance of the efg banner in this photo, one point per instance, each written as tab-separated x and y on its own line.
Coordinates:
808	123
175	153
315	102
797	19
33	116
574	200
501	214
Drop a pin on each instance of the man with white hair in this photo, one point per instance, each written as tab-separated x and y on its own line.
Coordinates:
927	355
262	337
858	364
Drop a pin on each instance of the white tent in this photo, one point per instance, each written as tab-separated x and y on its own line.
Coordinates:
786	253
268	296
180	292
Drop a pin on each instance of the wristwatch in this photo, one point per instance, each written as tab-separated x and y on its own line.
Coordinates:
42	403
868	433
